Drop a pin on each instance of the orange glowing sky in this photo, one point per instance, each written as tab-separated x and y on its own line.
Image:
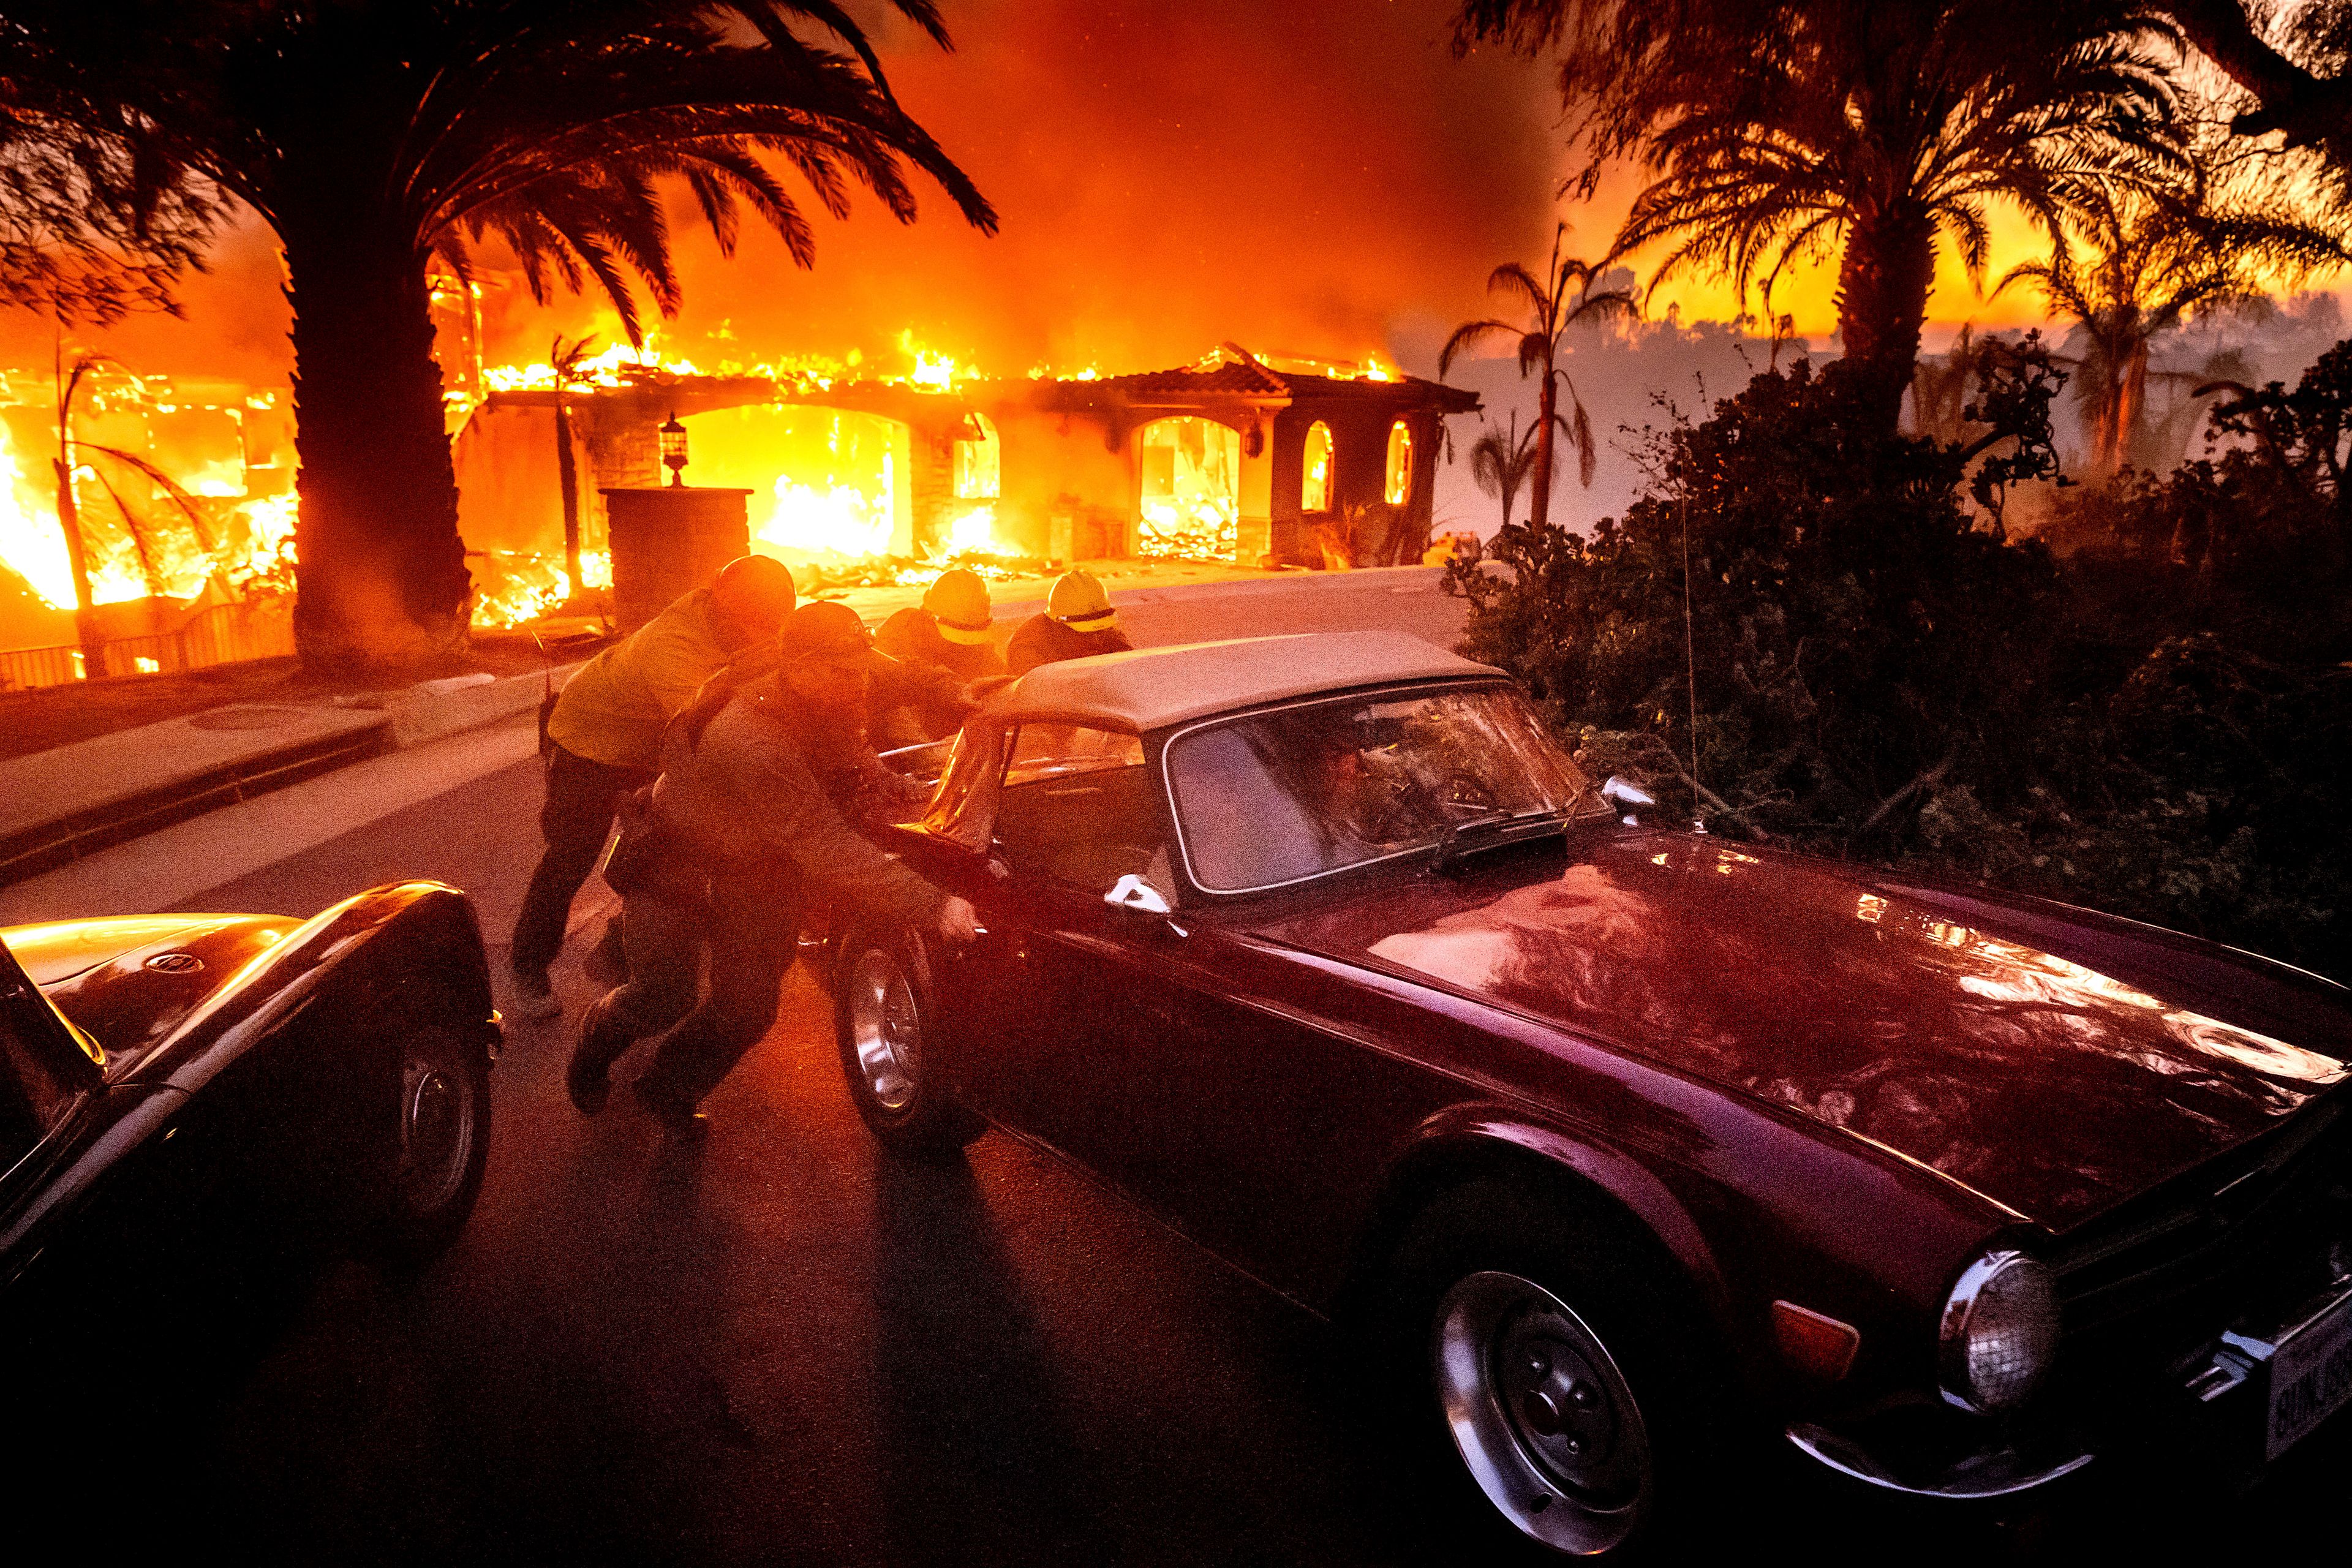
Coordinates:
1319	177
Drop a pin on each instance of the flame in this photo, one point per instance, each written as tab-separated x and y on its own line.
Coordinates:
31	543
838	520
974	534
512	588
1190	507
933	372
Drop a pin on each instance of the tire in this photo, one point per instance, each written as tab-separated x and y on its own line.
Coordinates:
441	1142
1549	1372
882	1003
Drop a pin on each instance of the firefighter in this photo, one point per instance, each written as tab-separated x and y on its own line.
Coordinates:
606	730
949	631
743	830
1078	621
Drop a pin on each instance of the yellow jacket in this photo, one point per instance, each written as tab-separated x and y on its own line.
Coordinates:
613	711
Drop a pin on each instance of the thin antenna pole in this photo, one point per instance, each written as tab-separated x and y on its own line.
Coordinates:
1690	651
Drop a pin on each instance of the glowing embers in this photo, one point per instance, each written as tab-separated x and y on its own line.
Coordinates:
1400	465
1315	481
1190	503
512	587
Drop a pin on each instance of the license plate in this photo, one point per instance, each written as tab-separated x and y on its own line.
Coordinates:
2311	1375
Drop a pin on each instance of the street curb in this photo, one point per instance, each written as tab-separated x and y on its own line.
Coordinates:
425	712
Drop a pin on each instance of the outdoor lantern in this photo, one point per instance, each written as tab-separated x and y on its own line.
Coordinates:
673	449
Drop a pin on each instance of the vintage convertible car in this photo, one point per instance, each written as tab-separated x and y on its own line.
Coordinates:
176	1087
1619	1136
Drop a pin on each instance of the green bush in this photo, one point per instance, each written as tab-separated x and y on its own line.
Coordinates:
2149	724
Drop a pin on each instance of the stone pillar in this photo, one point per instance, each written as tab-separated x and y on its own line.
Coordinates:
1254	540
669	540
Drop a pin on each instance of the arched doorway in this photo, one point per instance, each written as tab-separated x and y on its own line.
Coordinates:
1315	470
1190	500
1400	465
979	481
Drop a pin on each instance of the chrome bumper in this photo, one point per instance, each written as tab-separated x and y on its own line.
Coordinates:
1995	1472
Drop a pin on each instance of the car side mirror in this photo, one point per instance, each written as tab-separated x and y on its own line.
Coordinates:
1628	795
1132	892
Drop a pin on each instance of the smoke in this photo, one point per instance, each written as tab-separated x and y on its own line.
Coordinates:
1319	177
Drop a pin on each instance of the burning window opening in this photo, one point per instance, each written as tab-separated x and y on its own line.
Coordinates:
1315	482
1400	471
1191	505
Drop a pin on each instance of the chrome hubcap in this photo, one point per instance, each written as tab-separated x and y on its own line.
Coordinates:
438	1120
1540	1413
885	1030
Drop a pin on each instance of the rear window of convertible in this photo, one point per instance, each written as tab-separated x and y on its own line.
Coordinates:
1277	797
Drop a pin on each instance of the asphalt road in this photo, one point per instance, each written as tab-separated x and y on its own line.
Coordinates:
785	1347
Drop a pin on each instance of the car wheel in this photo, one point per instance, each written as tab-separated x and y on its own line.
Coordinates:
442	1141
882	1013
1547	1396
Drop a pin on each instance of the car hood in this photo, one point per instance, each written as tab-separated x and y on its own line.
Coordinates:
128	982
2055	1061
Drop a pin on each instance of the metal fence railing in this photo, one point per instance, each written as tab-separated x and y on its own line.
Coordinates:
222	634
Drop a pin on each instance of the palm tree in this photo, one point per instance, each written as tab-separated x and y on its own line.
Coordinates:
1548	311
2153	265
73	458
91	226
566	360
1500	461
1778	133
371	134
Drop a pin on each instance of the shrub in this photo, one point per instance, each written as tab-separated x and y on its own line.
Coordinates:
1880	673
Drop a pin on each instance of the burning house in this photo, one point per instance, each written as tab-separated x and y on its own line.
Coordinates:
1235	458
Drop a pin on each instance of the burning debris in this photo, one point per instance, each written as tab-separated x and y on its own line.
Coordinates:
865	473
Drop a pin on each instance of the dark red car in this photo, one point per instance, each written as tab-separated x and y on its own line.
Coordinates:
1619	1137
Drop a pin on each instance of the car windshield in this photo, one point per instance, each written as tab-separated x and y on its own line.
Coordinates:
1278	798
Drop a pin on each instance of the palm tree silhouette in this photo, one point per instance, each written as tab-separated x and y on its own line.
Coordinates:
1550	305
1778	134
1500	461
566	360
373	134
2154	265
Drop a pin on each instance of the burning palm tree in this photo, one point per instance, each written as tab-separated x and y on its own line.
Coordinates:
373	134
1549	306
566	360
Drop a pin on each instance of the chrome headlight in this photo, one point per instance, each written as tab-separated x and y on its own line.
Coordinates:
1999	1332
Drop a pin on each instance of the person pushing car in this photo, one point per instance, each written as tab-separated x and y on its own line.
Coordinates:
606	729
1078	621
740	832
947	631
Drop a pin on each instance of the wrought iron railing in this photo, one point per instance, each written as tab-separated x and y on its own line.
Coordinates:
222	634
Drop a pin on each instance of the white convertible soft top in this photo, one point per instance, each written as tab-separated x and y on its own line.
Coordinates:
1154	687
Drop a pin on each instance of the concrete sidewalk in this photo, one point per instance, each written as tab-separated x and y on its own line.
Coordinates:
163	870
68	801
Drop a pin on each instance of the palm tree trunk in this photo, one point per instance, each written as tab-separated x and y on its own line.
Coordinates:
2131	407
1547	404
93	649
1882	297
381	580
567	481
